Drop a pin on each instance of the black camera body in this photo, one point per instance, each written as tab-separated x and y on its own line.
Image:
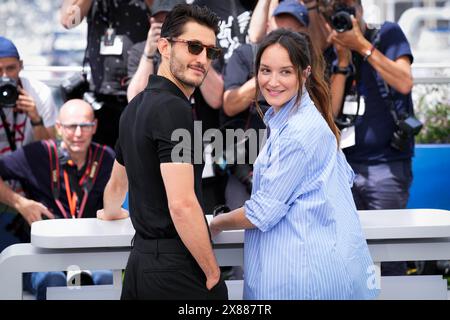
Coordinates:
9	92
341	18
406	128
77	87
74	86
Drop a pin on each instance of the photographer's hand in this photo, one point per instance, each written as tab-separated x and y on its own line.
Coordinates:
397	73
27	104
352	39
344	55
152	38
146	68
32	211
72	12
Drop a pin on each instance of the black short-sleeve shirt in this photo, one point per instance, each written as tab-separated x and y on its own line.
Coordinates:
153	128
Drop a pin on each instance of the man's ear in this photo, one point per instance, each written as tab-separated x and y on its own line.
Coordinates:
95	127
164	47
58	129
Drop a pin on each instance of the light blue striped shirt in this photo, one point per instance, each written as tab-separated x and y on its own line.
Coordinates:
308	242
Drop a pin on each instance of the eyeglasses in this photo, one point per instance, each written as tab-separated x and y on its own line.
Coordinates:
196	47
84	126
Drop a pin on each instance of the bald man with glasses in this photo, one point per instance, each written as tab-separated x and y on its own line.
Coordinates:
75	192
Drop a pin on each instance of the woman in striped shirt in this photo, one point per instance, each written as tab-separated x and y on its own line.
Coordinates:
303	238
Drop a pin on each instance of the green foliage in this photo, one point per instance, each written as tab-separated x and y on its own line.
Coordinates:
432	107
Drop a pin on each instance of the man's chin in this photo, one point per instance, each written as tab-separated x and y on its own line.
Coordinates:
193	82
77	148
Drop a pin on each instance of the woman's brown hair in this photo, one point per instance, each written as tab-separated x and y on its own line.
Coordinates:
302	54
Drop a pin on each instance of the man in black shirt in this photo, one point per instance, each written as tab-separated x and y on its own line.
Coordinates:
172	256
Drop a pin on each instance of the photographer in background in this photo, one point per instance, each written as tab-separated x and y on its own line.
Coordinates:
239	97
62	179
371	98
27	109
113	27
27	113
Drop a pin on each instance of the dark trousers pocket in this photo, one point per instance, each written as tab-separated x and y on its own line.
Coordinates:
218	292
171	283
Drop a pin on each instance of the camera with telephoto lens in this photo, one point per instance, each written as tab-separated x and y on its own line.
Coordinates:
74	86
77	87
341	20
8	92
337	13
407	127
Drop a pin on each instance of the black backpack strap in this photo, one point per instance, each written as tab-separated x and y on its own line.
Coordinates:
54	167
52	150
89	182
95	166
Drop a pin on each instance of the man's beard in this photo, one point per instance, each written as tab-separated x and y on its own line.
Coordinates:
178	70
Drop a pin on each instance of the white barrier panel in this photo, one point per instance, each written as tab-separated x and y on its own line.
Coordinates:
392	235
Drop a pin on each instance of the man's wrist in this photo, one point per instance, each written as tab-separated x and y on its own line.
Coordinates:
148	56
346	70
18	202
37	121
364	47
368	53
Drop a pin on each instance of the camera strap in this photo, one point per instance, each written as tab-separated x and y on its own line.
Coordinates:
86	182
374	37
10	130
351	87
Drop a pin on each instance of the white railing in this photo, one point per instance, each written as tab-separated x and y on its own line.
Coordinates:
392	235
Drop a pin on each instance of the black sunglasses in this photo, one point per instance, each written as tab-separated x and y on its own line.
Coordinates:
196	47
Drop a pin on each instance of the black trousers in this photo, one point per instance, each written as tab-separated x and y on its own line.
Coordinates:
163	269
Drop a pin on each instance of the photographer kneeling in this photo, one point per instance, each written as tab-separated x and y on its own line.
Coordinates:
371	97
62	179
27	109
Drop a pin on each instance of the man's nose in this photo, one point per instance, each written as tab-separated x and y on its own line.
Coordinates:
78	130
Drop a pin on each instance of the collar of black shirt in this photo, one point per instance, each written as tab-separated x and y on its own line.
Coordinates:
162	83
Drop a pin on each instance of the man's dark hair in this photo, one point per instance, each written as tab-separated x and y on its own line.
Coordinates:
184	13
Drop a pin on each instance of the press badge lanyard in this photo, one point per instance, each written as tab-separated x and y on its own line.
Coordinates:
86	182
